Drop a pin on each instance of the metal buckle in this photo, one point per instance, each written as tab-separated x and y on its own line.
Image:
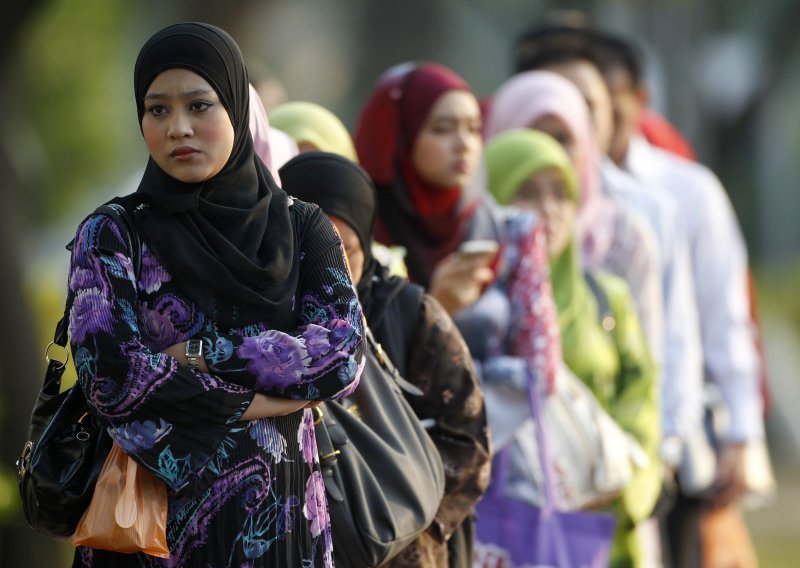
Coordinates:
50	359
318	415
24	459
83	435
330	455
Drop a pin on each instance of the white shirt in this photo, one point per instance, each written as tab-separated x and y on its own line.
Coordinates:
681	362
719	267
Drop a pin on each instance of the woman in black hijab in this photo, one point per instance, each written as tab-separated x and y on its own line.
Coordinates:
204	363
422	342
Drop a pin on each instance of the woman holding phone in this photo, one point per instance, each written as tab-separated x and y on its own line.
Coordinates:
419	138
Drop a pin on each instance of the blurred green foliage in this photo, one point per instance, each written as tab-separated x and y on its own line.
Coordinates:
9	500
776	290
77	96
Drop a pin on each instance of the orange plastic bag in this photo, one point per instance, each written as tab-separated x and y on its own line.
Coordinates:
128	511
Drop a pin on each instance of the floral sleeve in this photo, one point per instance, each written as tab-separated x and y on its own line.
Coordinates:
323	358
169	418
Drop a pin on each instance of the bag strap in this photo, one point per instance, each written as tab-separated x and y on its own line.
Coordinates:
548	475
400	295
604	313
558	537
388	366
125	221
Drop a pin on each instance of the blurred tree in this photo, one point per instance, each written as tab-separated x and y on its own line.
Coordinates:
60	71
20	362
76	97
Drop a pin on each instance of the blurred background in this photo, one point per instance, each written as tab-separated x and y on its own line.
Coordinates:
725	72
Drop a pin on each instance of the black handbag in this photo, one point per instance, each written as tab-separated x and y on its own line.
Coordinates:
383	474
67	444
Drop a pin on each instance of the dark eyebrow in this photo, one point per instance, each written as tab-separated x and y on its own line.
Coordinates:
186	95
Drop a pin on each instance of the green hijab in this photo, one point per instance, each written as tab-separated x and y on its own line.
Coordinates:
311	123
512	157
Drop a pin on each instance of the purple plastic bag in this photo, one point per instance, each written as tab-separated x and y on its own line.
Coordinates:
514	534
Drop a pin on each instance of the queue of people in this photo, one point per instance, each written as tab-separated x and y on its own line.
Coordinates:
545	239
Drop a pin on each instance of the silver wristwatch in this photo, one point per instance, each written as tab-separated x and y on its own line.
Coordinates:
194	352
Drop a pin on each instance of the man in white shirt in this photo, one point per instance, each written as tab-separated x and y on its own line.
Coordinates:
719	264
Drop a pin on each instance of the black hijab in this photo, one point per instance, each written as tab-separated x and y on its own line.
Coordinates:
341	188
229	240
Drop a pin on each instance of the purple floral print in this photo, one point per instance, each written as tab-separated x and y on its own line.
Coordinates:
351	388
82	278
91	313
223	476
268	438
341	332
137	436
316	339
348	370
316	507
87	236
286	516
153	274
168	321
275	358
314	311
307	439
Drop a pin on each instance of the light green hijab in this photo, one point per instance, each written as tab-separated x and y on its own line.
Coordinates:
313	124
512	157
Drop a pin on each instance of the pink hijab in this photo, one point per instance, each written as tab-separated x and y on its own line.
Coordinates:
274	147
530	95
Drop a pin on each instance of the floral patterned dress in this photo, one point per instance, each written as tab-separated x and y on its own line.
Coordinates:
241	494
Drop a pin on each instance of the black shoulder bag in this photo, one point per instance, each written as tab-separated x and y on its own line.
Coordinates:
383	474
67	444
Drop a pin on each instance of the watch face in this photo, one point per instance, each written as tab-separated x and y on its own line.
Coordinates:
194	348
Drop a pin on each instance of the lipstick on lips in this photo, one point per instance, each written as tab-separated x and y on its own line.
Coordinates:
183	153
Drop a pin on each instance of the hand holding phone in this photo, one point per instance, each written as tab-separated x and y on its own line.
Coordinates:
478	248
461	277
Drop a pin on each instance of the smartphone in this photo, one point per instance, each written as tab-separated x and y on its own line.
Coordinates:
478	248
